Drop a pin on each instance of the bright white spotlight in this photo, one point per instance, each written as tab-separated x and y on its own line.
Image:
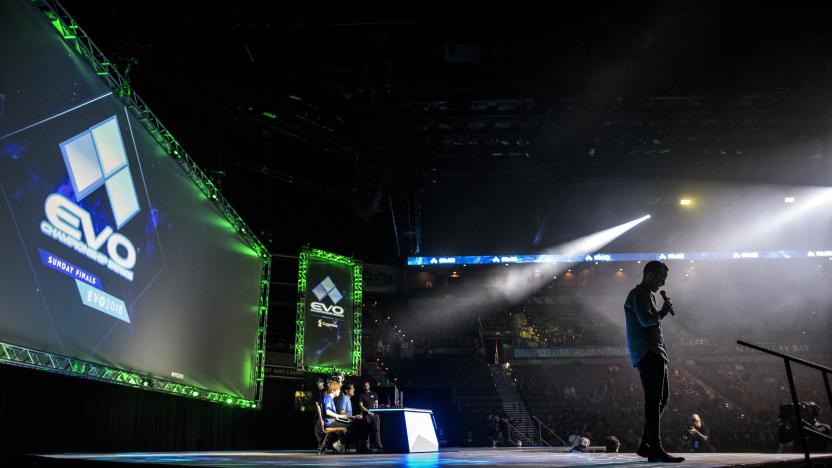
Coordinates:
685	202
521	280
788	200
518	285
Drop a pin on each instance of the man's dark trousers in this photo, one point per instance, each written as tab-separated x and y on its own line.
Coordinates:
653	373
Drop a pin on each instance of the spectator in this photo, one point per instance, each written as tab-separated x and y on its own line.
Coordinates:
612	444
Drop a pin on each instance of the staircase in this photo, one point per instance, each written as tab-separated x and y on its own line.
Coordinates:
514	406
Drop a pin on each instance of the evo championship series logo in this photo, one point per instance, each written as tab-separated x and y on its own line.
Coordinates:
94	158
327	289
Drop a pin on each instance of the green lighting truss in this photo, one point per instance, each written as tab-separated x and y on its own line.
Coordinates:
357	301
25	357
81	43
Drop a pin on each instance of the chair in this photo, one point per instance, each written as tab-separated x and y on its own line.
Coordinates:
326	430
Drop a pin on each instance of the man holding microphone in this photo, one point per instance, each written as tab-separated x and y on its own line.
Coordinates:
648	354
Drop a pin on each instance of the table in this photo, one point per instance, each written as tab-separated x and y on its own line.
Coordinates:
407	430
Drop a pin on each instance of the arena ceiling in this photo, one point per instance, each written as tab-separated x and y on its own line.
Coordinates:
466	126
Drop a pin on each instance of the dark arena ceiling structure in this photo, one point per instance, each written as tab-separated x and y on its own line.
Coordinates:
383	131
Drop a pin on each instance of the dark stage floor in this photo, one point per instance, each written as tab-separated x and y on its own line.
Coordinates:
527	457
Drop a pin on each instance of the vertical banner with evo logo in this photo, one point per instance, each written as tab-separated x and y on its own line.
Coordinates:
328	312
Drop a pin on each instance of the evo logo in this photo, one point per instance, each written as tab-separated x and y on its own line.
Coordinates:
94	158
327	289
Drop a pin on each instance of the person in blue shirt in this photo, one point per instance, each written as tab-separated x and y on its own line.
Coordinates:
330	412
358	431
345	402
647	353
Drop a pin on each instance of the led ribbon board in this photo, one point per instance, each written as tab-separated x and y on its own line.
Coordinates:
617	257
121	260
328	323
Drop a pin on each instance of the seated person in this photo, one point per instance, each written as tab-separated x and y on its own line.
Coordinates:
582	445
330	412
319	392
360	429
612	444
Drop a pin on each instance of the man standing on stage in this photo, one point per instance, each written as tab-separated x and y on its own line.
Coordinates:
648	354
367	402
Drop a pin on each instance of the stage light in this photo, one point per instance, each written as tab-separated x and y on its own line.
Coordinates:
788	200
686	202
229	401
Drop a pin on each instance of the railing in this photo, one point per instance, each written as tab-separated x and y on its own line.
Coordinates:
803	429
511	429
481	332
540	427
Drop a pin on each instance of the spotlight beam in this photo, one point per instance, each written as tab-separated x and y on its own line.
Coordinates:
790	213
518	285
522	280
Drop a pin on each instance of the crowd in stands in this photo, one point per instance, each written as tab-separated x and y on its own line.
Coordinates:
435	341
596	400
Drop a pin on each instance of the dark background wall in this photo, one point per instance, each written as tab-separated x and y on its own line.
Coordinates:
45	412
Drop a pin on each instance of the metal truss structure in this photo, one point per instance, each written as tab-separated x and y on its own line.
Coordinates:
300	316
80	42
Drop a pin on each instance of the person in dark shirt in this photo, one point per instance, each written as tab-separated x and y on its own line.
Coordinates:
318	395
612	444
648	354
367	402
697	436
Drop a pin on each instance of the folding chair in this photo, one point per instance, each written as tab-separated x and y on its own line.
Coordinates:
326	430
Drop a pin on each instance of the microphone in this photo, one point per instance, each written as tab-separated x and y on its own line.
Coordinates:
664	296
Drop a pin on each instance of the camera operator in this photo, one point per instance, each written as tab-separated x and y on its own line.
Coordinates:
697	436
788	430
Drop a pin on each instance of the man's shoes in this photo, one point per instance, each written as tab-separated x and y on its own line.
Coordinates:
660	456
338	446
643	450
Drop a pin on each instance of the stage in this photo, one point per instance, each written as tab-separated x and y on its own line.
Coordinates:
499	457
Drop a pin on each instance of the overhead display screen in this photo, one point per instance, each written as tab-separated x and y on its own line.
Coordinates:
328	336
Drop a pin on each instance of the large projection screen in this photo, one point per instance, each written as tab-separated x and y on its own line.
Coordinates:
328	323
118	263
